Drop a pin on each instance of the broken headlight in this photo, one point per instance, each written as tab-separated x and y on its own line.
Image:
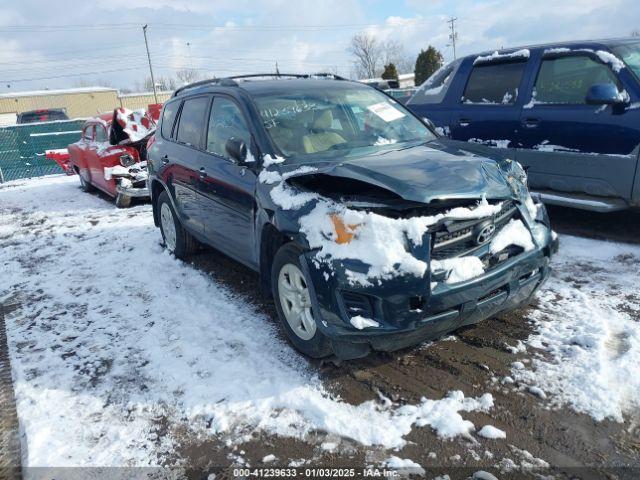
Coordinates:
127	160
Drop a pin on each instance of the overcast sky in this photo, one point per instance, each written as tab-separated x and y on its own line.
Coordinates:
92	43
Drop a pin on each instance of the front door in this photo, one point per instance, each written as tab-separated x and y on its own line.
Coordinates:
228	188
488	112
571	146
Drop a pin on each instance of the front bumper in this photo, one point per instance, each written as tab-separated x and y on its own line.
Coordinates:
133	191
409	311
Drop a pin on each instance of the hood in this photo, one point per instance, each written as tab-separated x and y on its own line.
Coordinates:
423	173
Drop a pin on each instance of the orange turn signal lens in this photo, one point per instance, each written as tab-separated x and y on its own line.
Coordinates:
344	233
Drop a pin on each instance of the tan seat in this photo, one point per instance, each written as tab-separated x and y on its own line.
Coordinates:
321	139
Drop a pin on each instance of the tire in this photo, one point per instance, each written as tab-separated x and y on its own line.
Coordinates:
86	186
123	201
176	239
305	336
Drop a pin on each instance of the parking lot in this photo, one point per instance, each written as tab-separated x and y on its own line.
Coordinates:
188	368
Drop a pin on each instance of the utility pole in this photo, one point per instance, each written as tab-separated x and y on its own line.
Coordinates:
277	69
453	36
153	81
190	57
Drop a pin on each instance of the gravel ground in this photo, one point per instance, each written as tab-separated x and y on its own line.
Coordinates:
473	360
574	444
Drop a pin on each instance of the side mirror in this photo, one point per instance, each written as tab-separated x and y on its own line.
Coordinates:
604	94
237	150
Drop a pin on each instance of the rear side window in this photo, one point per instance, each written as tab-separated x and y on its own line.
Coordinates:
168	118
435	87
192	121
566	80
494	83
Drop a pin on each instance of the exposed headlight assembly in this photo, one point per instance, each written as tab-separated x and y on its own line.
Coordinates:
127	160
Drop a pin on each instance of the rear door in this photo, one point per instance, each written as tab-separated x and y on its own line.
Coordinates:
227	188
569	145
488	112
183	158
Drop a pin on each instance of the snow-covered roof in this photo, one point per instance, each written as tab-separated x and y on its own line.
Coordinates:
143	94
63	91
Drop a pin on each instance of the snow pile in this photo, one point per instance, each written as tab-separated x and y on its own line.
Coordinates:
491	143
523	53
460	269
137	124
361	322
489	431
513	233
591	333
137	171
404	465
102	358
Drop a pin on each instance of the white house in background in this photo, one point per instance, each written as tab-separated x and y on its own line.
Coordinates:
405	80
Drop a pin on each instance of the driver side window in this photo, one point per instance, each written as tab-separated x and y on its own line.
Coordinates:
225	122
566	80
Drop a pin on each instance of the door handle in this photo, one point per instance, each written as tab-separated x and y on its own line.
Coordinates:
531	122
203	173
464	122
165	159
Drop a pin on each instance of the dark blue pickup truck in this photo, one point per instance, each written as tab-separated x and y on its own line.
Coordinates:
570	113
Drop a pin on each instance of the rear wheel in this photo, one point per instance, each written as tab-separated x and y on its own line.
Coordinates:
292	297
123	201
176	239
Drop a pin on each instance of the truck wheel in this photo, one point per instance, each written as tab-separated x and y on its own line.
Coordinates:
176	239
123	201
86	186
293	303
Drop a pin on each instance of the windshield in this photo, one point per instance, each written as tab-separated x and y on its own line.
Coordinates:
630	53
312	121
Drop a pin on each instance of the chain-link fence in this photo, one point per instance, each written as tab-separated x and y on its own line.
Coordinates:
23	144
22	147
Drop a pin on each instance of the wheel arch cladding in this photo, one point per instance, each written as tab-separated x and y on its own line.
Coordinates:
156	190
271	239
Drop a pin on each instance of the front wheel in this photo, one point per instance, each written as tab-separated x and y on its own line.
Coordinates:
292	297
176	239
123	201
84	184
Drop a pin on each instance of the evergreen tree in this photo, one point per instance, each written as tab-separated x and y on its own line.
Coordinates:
427	63
390	72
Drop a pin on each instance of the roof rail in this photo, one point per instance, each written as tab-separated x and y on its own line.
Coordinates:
230	81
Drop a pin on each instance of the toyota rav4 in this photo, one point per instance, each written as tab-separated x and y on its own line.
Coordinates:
369	230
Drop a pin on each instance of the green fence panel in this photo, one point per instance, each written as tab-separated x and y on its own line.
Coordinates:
22	147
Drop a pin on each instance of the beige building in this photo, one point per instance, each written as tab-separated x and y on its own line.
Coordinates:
78	102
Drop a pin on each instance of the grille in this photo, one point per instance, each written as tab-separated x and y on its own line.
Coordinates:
459	237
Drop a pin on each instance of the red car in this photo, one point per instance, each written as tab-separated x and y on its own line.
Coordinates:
111	154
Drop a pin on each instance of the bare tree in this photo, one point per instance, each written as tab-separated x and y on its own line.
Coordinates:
394	53
367	53
188	75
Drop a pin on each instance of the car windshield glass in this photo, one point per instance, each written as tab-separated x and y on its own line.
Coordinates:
630	53
307	122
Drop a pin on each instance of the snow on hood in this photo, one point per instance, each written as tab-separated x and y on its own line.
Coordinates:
137	124
341	233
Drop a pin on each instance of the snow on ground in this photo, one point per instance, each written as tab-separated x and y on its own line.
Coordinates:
588	320
115	338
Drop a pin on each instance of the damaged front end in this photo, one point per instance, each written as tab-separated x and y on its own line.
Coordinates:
391	267
130	130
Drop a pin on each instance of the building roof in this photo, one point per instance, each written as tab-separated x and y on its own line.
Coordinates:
64	91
